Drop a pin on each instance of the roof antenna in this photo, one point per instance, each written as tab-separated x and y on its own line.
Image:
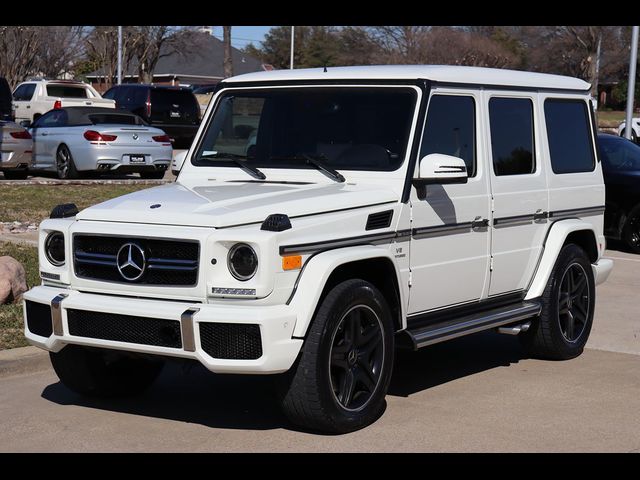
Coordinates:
325	69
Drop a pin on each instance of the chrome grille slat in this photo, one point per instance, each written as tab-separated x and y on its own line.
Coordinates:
168	262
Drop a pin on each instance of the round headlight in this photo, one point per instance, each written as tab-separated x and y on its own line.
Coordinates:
243	261
54	248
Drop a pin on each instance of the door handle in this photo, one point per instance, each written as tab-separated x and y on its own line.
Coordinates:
44	134
540	215
480	222
28	106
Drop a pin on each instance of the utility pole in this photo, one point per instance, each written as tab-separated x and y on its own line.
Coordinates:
119	55
293	30
632	82
228	61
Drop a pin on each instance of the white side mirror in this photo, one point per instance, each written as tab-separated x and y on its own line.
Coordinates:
437	168
178	160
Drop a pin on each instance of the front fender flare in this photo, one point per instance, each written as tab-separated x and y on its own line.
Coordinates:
558	233
316	273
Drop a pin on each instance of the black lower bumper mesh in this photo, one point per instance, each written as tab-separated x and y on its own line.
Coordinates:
124	328
39	318
231	341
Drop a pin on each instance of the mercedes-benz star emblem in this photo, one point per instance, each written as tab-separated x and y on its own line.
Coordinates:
131	261
135	136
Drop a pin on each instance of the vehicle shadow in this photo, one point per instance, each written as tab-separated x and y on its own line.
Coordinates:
249	402
619	246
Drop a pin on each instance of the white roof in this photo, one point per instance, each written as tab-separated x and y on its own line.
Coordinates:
437	73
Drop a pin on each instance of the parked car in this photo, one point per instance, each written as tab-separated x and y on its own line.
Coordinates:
379	207
15	150
621	168
635	129
173	109
6	107
33	99
76	140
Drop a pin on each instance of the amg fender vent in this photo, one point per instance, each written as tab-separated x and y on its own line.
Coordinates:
379	220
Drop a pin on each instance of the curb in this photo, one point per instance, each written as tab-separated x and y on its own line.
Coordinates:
23	360
131	181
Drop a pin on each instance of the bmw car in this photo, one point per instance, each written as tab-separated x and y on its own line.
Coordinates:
77	141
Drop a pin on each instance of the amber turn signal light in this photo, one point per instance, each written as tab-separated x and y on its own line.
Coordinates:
292	262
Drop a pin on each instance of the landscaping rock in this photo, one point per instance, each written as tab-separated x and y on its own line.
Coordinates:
13	281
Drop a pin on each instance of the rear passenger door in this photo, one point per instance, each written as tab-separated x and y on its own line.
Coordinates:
518	188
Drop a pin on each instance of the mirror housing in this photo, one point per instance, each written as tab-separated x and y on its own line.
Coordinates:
26	124
437	168
177	162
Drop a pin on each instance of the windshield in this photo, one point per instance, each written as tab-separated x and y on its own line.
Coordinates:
619	154
344	128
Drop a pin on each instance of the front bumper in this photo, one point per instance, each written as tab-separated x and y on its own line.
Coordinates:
276	324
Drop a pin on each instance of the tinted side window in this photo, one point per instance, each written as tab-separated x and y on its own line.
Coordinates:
53	118
451	129
24	92
511	123
110	94
570	144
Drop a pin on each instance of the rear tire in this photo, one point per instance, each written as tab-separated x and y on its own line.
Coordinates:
104	373
157	175
630	230
634	137
15	174
340	380
65	165
568	302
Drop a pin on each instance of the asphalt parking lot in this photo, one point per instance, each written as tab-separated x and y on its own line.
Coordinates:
475	394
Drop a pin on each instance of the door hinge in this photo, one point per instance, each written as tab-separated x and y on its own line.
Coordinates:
493	204
410	278
491	263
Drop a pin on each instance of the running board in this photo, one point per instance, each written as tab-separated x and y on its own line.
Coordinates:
476	322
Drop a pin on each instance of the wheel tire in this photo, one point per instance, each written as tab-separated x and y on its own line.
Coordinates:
308	395
630	230
156	175
15	174
568	302
65	165
103	373
634	137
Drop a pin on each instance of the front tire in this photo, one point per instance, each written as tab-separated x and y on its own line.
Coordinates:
568	304
339	383
104	373
65	165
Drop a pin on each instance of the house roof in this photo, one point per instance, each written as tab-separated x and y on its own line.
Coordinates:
203	57
436	73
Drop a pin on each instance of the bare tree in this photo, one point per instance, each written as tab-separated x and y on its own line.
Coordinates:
228	61
62	47
147	44
102	49
19	47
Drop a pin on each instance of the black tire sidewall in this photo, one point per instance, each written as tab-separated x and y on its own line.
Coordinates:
569	255
72	172
627	231
347	296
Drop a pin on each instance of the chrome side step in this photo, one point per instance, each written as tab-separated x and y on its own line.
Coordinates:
514	329
476	322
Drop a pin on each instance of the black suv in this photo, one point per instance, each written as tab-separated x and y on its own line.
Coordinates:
6	112
621	169
172	109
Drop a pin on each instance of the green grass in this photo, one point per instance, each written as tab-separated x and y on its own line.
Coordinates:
11	323
33	203
610	118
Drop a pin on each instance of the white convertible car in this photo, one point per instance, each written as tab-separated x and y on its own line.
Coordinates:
78	140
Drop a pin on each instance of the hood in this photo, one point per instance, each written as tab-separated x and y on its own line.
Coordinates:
225	204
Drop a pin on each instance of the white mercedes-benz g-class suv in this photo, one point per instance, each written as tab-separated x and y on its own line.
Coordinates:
323	218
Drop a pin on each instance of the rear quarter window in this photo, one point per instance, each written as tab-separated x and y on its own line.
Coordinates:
24	92
569	135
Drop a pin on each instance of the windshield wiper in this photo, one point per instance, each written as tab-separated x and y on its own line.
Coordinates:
239	160
317	161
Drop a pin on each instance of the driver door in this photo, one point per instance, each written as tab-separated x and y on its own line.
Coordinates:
449	252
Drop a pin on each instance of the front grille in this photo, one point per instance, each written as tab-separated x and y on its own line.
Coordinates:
168	262
124	328
231	341
39	318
